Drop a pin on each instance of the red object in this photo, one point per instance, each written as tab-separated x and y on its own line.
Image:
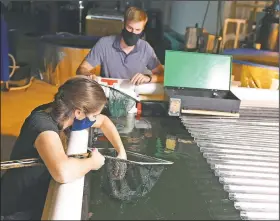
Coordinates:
102	138
109	81
139	110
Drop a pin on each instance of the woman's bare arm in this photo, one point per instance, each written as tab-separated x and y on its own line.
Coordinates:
111	132
62	168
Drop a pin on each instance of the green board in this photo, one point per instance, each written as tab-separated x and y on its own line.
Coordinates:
197	70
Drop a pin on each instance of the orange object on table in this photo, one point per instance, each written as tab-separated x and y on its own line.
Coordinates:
109	81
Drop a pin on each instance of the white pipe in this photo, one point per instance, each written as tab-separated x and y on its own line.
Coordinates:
244	168
249	215
241	157
257	206
247	174
249	181
251	189
243	162
254	197
64	201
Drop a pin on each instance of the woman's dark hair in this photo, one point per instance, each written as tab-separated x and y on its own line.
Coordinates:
80	93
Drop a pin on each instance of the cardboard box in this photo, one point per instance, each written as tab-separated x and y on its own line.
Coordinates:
102	24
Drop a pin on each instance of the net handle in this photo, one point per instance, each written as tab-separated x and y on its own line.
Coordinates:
160	161
138	163
166	162
13	164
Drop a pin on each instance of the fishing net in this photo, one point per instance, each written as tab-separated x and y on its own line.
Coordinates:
130	179
119	103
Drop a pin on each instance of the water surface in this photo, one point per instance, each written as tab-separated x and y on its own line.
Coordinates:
185	190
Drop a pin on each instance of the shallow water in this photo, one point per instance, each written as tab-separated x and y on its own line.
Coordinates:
185	190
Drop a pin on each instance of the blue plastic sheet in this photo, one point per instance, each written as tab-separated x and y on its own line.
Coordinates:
4	51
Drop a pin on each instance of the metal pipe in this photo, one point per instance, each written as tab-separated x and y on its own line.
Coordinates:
254	197
213	131
251	189
232	146
242	162
81	7
246	181
245	168
249	215
197	140
204	126
240	124
241	156
246	174
257	207
243	152
240	139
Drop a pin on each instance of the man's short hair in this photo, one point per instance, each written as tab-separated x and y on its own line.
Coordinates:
135	14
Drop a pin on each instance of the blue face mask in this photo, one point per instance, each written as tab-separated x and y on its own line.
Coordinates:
82	124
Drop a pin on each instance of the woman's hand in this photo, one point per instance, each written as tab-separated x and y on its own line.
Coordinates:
122	155
62	168
111	133
92	76
97	158
117	168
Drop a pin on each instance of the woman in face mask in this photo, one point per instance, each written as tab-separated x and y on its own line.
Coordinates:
77	105
125	56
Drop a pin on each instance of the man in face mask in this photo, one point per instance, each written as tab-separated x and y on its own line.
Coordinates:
125	56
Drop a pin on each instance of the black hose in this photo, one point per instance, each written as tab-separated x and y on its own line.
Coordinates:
218	20
206	12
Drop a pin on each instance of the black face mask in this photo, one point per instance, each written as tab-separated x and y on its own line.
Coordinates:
130	38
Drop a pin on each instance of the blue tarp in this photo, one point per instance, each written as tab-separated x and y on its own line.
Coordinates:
4	51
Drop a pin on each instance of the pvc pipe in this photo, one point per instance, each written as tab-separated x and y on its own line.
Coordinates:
64	201
257	206
250	215
254	197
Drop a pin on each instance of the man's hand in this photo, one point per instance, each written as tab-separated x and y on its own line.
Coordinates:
92	76
140	79
85	68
